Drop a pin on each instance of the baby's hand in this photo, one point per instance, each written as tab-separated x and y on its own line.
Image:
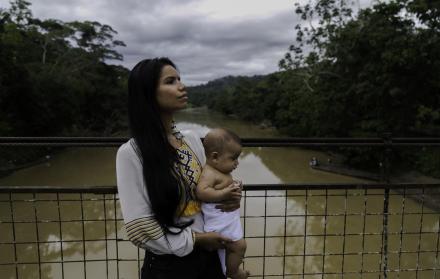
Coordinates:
232	191
238	183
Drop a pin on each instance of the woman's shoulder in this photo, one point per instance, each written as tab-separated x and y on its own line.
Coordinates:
191	137
189	133
128	149
127	146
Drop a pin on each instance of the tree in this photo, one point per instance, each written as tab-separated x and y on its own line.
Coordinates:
372	67
360	74
55	80
374	72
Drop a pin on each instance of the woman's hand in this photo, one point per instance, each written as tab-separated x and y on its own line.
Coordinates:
232	203
211	241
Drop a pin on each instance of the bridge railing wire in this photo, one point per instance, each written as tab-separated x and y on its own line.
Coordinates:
304	230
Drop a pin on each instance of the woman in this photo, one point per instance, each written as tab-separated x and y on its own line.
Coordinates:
157	172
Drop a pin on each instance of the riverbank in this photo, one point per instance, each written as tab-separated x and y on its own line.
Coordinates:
10	168
16	158
429	197
344	170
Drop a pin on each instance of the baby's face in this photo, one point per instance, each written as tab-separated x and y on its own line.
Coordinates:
227	161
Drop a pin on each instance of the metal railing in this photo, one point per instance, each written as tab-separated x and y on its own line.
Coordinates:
372	230
291	230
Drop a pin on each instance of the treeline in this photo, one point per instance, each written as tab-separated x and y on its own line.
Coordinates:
349	75
55	81
54	76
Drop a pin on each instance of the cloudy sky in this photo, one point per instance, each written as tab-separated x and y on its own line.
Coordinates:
207	39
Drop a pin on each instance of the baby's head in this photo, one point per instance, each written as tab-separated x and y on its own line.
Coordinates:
222	148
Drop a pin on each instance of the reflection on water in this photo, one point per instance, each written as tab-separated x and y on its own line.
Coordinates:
261	165
51	236
319	232
72	167
96	166
323	232
340	231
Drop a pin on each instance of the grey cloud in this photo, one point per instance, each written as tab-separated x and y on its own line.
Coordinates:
205	49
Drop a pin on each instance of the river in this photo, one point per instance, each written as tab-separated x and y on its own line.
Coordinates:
96	166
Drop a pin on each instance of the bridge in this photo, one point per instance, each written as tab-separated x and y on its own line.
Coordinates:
380	229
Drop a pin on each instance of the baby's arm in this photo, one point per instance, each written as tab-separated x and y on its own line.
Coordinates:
206	191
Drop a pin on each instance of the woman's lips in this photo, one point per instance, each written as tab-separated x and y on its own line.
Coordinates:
184	97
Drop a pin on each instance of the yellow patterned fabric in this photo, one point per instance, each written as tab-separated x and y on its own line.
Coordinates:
190	168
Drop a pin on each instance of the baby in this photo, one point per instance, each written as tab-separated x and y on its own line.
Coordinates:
222	148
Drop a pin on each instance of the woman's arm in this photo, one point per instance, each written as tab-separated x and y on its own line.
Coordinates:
211	241
141	226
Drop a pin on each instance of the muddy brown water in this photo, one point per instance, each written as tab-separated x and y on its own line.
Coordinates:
330	216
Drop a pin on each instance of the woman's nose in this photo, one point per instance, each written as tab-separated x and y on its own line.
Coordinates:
182	86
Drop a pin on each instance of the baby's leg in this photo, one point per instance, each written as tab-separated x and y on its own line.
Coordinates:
234	257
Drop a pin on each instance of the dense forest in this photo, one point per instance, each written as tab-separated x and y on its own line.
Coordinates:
55	79
349	74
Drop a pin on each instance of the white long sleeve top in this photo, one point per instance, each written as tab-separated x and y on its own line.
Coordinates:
141	226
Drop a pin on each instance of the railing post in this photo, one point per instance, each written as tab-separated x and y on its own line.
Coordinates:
388	142
386	179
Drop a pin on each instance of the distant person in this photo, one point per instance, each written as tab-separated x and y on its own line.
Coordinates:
313	162
222	149
157	173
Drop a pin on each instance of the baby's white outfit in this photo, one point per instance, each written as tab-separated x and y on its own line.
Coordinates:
225	223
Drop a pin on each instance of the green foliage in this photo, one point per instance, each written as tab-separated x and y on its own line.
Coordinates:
377	67
54	79
348	74
428	161
249	98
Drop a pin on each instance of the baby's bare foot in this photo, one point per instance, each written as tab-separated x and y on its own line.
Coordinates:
240	274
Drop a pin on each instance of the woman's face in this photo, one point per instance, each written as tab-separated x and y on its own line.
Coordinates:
171	93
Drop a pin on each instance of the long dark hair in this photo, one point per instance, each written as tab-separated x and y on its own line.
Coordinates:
157	155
